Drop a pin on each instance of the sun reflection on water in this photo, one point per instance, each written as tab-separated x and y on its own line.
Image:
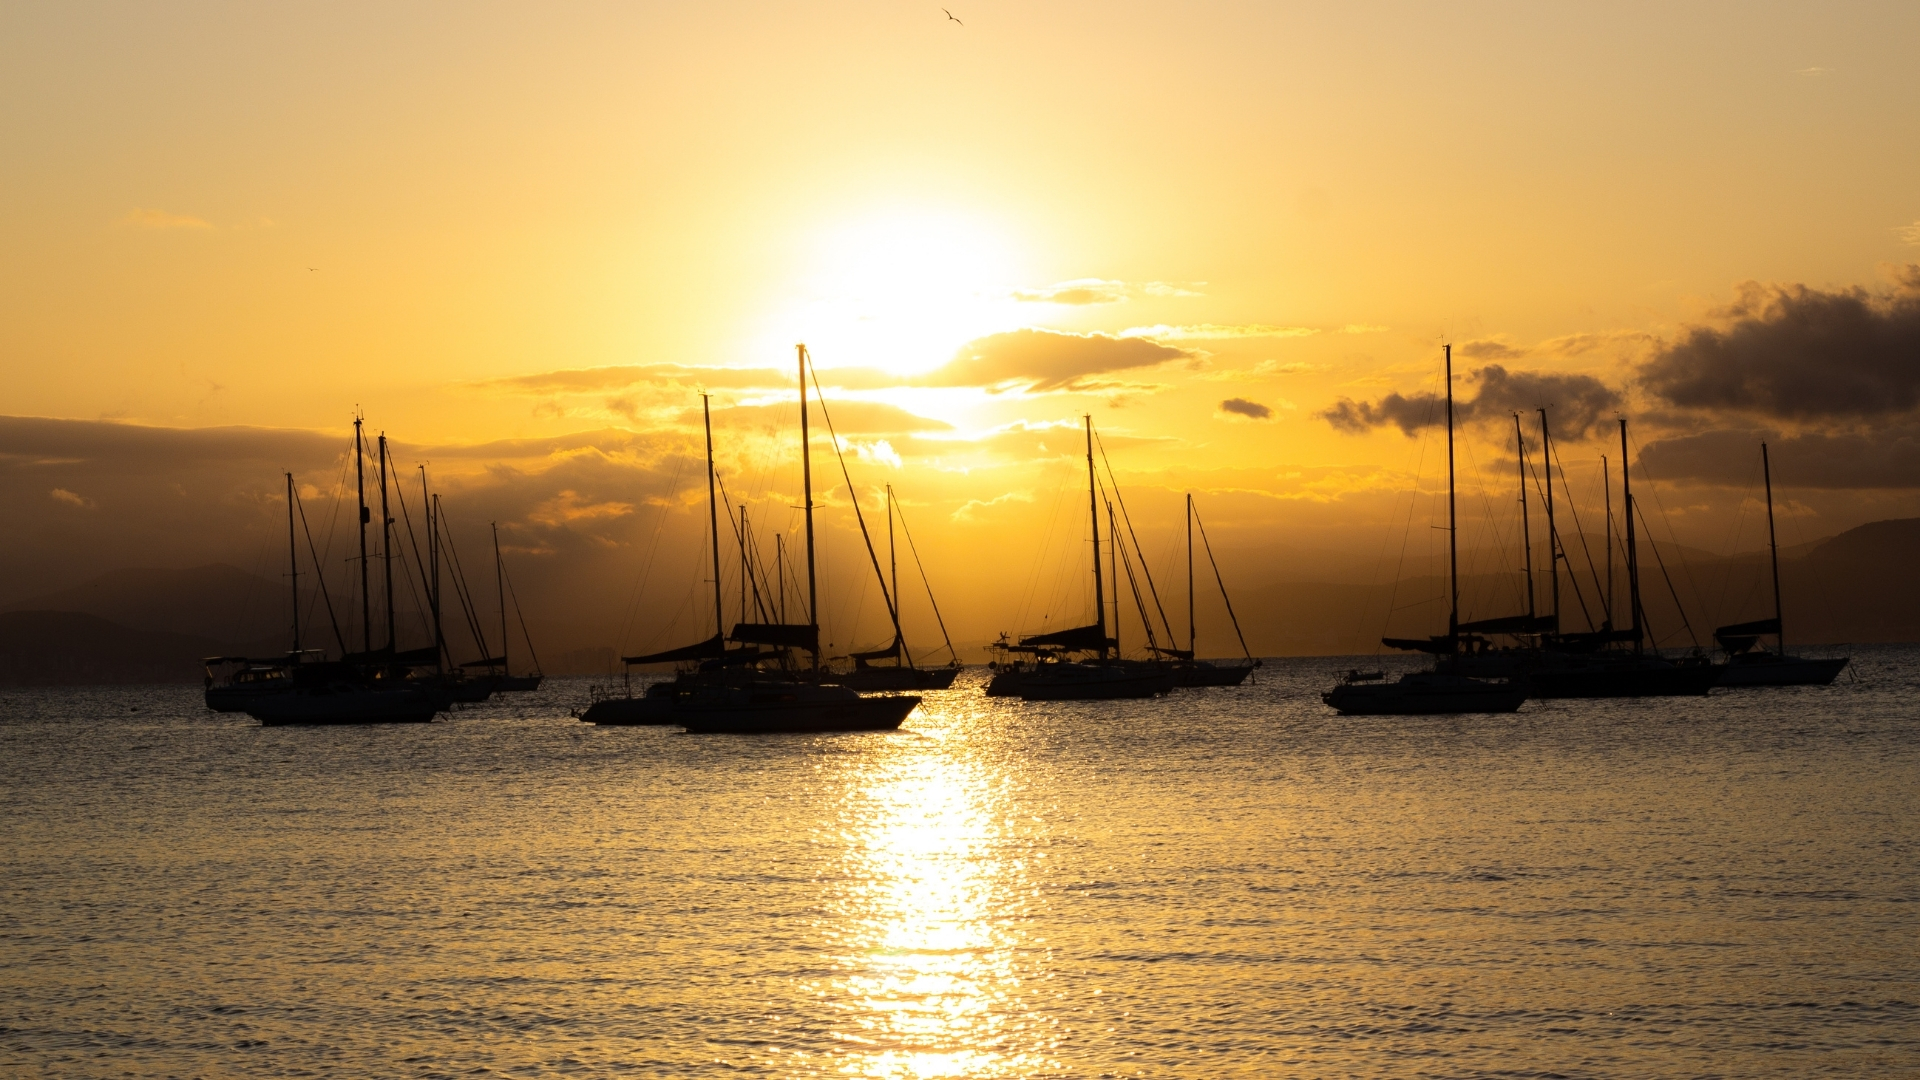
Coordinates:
929	938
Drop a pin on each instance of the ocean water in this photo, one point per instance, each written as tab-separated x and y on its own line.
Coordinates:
1227	883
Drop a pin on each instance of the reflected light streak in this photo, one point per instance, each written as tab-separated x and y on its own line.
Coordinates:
928	949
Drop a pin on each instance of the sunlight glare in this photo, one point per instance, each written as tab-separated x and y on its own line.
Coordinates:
899	291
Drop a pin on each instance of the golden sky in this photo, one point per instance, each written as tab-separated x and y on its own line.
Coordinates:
1206	224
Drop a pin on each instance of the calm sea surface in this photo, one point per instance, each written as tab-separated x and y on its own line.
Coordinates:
1229	883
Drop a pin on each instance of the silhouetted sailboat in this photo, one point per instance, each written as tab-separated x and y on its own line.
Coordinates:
1042	667
731	691
1748	665
1439	691
1188	669
246	680
372	686
869	673
1592	664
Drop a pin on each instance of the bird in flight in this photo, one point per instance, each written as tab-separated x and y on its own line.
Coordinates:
951	16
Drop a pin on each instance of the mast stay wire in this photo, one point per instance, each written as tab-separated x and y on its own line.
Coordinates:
1556	548
461	591
520	614
646	569
853	495
1127	519
1593	569
1046	545
1406	533
904	531
1217	580
325	595
1666	520
1671	591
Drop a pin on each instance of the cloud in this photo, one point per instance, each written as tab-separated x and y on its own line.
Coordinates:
1084	291
1490	349
1080	291
1216	332
1884	458
1043	360
72	499
687	376
1909	233
568	508
141	217
1814	72
1265	369
849	417
968	508
1252	410
1577	403
1791	352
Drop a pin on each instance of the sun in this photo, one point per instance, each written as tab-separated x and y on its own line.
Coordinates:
898	290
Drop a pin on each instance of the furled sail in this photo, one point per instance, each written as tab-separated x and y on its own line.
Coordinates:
712	647
1091	638
887	653
787	635
1437	644
1740	637
1510	624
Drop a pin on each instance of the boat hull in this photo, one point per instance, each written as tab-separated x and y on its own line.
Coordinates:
1086	682
345	705
1425	696
797	717
230	699
1202	673
898	678
650	711
1781	671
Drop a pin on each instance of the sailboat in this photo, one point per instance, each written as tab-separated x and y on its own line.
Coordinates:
902	674
1042	667
251	679
1593	665
372	686
1188	669
733	691
505	679
1748	665
1439	691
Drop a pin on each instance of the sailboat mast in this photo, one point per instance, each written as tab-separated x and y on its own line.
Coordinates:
1606	490
500	587
1453	531
433	558
1526	534
746	572
386	540
1113	566
1190	627
893	569
1553	531
713	522
1773	550
780	570
1633	554
293	565
360	491
806	483
1093	512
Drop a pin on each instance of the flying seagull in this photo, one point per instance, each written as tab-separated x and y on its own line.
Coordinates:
950	16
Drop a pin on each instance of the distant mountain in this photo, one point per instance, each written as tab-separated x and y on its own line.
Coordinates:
217	601
1860	586
54	648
